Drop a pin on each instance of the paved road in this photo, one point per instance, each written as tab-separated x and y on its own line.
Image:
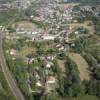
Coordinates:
12	84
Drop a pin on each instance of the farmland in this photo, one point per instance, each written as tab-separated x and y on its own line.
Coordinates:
82	65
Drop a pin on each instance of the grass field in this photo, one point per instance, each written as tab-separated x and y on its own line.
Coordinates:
25	51
27	26
82	65
85	25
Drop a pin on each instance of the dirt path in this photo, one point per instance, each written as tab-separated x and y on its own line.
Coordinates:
82	65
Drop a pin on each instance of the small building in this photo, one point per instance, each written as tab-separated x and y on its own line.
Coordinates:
12	52
48	66
38	84
51	80
62	48
51	57
76	33
48	37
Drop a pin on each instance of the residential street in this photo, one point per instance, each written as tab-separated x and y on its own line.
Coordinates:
12	84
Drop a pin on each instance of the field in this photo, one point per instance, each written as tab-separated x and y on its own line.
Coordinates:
25	51
26	25
82	65
85	25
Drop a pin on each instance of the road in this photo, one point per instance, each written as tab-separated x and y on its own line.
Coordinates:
11	82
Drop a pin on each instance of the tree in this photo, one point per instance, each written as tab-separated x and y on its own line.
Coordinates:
70	92
92	87
97	73
60	79
77	89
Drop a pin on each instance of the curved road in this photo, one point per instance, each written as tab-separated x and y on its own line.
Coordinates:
12	84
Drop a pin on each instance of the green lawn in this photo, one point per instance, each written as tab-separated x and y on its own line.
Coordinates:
25	51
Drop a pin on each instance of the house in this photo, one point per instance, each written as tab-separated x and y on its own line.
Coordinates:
51	80
51	57
38	84
37	76
76	32
34	33
61	48
59	45
12	52
67	40
49	37
31	16
7	51
73	45
13	58
32	60
48	66
42	58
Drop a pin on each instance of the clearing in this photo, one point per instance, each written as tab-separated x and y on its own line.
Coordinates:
26	25
82	65
25	51
87	25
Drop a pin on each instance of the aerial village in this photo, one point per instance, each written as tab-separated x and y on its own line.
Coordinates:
58	31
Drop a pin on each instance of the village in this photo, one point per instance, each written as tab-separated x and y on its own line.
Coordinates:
47	36
57	18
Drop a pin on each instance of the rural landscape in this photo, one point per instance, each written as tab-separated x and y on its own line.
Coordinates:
49	49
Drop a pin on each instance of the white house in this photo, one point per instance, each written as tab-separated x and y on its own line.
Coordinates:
49	37
38	83
51	80
12	52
